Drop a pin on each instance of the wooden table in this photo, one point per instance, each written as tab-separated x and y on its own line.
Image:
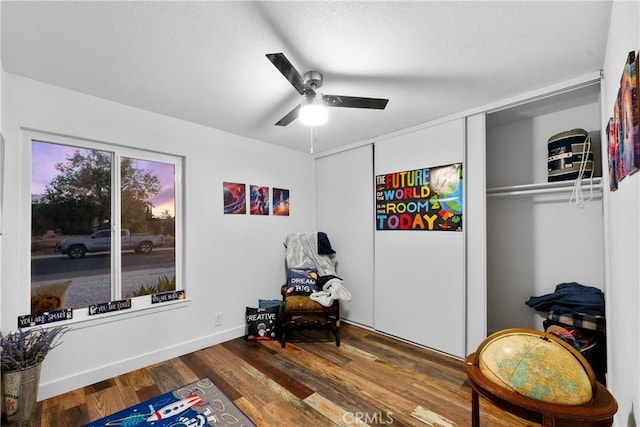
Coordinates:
596	413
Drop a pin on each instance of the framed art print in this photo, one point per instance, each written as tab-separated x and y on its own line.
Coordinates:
280	202
235	199
259	199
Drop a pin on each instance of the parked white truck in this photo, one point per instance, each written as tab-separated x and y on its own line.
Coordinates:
100	241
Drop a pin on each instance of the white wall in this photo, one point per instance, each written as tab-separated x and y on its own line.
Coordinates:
623	235
230	261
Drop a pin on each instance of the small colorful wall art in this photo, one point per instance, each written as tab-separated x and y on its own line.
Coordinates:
235	199
259	197
280	202
624	126
614	155
421	199
628	120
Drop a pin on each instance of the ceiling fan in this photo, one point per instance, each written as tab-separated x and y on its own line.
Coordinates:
308	84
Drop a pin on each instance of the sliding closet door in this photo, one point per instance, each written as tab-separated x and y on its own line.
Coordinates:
419	275
475	232
344	205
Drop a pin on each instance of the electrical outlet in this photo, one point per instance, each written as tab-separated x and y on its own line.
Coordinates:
217	319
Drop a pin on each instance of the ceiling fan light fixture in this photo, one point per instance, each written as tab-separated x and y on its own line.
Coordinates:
312	111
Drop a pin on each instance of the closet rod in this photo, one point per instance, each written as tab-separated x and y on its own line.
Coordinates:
556	184
596	193
586	190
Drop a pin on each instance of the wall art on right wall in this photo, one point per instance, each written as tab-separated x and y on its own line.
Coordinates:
629	137
624	127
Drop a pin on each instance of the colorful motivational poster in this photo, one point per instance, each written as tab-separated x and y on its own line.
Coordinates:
259	200
280	202
422	199
235	199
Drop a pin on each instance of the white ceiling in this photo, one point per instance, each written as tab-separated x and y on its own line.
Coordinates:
205	61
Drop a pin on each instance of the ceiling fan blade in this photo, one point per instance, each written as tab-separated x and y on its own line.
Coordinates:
290	73
354	102
289	117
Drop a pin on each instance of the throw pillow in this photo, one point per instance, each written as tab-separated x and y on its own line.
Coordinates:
262	323
301	281
268	303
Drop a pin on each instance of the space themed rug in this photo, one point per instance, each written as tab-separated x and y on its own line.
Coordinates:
198	404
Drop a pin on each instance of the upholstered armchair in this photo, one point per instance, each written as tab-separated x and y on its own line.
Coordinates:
311	297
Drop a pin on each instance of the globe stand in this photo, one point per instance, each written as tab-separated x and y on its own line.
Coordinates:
598	412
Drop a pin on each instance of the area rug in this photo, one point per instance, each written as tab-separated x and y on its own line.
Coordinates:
194	405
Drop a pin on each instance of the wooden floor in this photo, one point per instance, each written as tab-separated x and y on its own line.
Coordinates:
370	377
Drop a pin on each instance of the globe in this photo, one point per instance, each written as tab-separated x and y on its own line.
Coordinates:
536	365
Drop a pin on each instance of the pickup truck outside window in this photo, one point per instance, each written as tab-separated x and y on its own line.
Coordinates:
100	241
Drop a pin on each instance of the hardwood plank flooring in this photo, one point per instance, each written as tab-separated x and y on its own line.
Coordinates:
370	379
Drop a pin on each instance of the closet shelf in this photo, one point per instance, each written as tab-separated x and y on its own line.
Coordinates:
559	187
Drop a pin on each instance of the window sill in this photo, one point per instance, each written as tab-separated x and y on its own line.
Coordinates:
140	306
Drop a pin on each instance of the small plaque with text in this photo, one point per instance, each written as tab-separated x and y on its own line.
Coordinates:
167	296
107	307
46	317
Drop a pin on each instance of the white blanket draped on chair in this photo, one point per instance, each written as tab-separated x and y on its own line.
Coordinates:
302	251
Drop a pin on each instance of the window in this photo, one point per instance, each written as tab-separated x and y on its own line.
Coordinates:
103	223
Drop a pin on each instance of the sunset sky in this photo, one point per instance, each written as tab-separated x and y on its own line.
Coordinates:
44	157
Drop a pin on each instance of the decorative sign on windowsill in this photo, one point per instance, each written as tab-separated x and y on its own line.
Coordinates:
107	307
46	317
167	296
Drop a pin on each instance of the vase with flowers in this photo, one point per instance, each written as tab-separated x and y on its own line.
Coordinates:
21	356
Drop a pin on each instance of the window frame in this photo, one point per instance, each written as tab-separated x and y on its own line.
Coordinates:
139	305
